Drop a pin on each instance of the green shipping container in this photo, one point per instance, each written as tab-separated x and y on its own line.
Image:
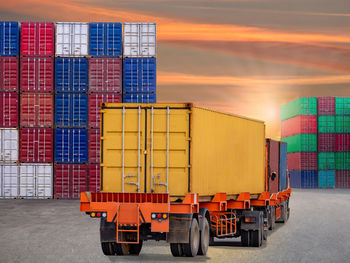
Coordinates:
326	161
342	106
342	160
301	143
300	106
326	124
342	124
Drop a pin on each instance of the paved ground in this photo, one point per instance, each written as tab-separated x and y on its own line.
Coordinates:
55	231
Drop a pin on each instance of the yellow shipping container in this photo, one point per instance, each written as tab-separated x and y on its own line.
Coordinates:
179	148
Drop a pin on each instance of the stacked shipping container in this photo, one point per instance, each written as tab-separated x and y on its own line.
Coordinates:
9	102
324	151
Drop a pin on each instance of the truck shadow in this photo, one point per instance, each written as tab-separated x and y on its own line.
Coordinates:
158	258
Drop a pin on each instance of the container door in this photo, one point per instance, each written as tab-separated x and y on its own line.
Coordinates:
79	39
148	39
168	151
9	179
124	154
46	38
10	145
113	75
63	39
43	181
131	39
45	74
27	180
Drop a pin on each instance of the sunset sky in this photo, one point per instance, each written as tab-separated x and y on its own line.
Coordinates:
241	56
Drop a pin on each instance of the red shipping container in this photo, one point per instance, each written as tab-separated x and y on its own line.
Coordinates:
302	161
94	146
105	75
94	178
342	179
95	101
273	163
326	106
9	74
37	39
343	142
9	109
36	145
299	124
36	110
37	74
70	180
326	142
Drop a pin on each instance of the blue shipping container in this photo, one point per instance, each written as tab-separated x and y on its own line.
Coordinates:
326	179
139	75
139	98
9	38
295	179
71	110
283	167
105	39
71	74
71	145
309	179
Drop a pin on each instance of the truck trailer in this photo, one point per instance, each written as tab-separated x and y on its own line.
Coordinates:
185	175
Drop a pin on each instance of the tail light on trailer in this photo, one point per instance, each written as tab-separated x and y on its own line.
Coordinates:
159	216
249	219
98	214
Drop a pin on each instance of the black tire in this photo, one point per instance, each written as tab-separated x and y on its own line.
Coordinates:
272	218
204	238
190	249
245	238
108	248
176	249
255	238
121	249
135	249
211	241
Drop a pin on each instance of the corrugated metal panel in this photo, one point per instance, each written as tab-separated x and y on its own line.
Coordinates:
37	74
71	146
9	74
326	106
302	161
309	179
36	110
299	124
326	179
9	38
95	101
326	160
139	75
342	160
326	124
94	177
301	143
71	74
342	106
295	179
105	75
71	110
36	145
326	142
72	39
139	40
70	180
283	167
105	39
342	142
273	154
36	180
342	179
8	145
139	98
9	181
37	39
300	106
9	109
168	150
94	146
342	124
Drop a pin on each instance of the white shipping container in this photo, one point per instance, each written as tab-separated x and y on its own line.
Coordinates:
35	180
8	145
9	183
139	40
72	39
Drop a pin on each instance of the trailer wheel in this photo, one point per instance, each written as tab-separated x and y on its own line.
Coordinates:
190	249
121	249
176	249
255	238
135	249
108	248
204	238
245	238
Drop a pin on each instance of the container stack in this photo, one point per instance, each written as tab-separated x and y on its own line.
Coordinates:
9	104
36	111
71	109
105	85
299	131
139	63
342	155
